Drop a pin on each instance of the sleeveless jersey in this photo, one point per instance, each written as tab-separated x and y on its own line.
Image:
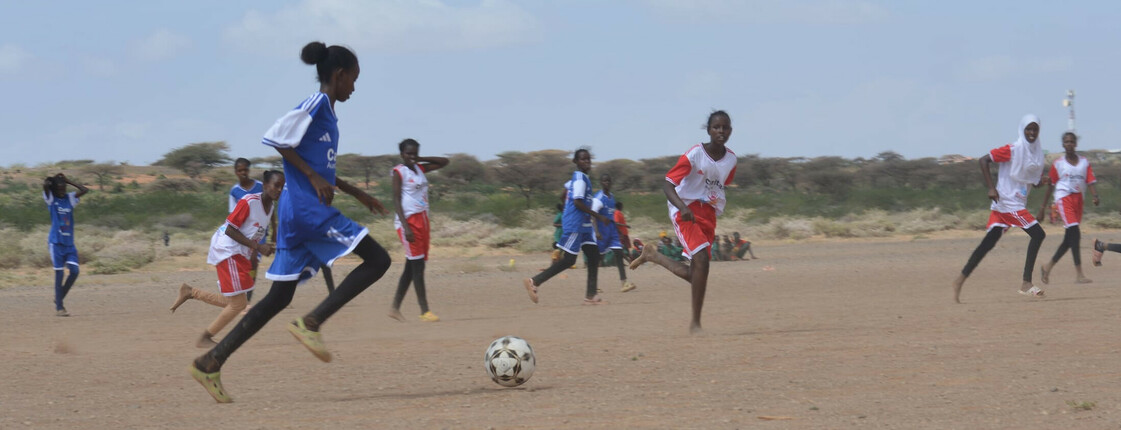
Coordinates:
1069	179
414	191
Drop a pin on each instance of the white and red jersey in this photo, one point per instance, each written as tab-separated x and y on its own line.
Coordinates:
1013	193
251	218
700	178
1071	179
414	191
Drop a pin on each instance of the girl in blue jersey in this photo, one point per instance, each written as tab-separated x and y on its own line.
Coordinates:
61	239
311	232
578	231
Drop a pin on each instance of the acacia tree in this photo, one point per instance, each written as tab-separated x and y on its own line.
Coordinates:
104	172
463	168
196	158
532	172
367	166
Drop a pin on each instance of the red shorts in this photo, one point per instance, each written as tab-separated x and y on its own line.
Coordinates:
233	275
1070	209
1021	218
699	233
418	248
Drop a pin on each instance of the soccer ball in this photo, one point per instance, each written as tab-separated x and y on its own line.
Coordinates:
509	361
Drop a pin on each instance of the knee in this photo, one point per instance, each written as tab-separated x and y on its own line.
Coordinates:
238	305
74	270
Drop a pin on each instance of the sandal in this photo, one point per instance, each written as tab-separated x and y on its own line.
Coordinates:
212	382
1034	291
595	300
531	289
1097	251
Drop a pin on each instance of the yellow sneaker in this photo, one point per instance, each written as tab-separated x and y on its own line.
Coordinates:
313	340
429	317
628	286
212	382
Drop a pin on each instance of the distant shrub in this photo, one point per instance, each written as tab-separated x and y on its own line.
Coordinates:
173	184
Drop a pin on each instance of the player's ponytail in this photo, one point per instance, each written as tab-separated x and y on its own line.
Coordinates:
314	53
327	59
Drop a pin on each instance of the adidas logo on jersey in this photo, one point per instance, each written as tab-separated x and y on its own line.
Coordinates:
326	137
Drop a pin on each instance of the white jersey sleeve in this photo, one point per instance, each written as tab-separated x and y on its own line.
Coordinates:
289	130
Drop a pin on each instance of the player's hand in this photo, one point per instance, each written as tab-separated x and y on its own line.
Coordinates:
1097	201
686	215
602	219
371	203
408	234
265	249
323	189
62	176
993	195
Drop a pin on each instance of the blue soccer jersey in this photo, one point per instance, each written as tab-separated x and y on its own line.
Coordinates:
62	218
578	188
311	129
607	210
236	192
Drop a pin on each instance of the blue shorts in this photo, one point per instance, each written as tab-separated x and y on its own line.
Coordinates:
571	242
608	239
302	262
61	255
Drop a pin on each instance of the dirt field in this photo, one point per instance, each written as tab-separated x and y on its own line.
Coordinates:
835	334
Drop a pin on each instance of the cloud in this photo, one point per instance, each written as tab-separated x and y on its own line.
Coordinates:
12	58
762	11
387	26
161	45
997	67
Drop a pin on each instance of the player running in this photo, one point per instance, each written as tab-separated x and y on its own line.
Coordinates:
694	190
311	233
1069	175
1021	167
578	231
231	248
608	240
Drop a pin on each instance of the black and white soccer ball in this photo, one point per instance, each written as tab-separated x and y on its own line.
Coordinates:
510	361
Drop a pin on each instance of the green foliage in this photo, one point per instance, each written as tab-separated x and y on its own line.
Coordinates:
196	158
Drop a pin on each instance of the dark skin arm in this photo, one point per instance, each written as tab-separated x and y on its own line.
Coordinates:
265	249
428	164
372	204
671	194
323	189
986	171
82	190
400	210
1047	198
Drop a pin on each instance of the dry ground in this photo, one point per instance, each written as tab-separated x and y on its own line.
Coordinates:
828	334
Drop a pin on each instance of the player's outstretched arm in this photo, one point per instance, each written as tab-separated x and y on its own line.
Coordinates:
368	201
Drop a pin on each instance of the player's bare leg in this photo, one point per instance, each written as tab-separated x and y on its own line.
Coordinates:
699	283
1082	279
650	254
957	288
1045	271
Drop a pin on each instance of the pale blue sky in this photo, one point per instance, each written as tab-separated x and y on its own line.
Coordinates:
129	80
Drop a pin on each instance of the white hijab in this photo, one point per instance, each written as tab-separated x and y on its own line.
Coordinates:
1027	157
